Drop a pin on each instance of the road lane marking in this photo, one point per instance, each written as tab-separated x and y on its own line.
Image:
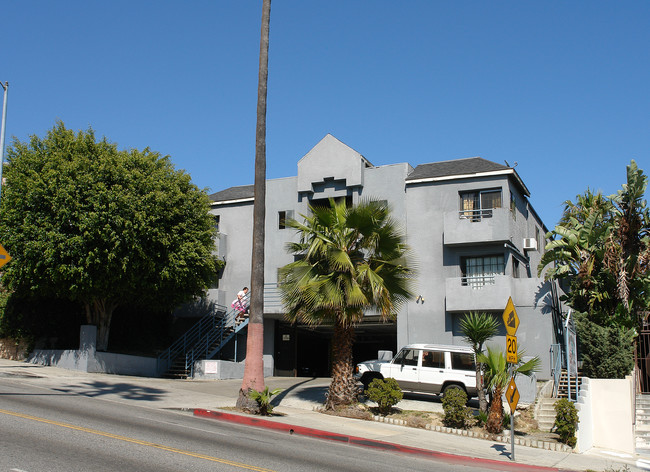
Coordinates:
135	441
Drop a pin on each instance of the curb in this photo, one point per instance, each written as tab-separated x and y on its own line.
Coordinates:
371	443
502	438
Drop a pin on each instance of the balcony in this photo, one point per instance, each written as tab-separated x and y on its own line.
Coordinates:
481	293
478	226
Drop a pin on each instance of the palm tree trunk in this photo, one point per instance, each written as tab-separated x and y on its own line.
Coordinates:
254	368
495	417
342	390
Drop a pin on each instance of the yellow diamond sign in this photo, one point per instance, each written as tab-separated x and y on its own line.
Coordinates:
512	395
4	256
510	318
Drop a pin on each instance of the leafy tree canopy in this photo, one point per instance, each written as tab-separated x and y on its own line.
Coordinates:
87	222
602	248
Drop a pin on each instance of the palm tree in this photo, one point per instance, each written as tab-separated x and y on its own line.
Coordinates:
478	328
349	260
496	376
254	368
602	246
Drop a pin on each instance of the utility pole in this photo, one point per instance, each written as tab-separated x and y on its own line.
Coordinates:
5	86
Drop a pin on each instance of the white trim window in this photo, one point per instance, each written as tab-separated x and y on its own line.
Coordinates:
478	204
481	270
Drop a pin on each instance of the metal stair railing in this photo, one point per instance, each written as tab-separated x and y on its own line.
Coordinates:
214	340
195	335
556	367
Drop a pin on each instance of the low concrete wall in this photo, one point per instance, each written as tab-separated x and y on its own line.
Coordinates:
585	430
605	409
220	370
87	359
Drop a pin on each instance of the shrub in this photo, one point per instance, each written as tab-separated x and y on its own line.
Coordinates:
263	399
385	393
457	414
506	421
566	421
606	352
481	418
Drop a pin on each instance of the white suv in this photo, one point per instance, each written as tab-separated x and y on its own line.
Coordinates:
427	368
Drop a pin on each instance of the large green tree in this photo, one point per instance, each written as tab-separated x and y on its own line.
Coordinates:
87	222
349	261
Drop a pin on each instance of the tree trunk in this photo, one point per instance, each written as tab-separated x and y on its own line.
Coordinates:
99	312
254	368
482	401
342	390
495	417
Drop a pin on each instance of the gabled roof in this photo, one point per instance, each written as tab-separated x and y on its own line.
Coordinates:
233	194
461	169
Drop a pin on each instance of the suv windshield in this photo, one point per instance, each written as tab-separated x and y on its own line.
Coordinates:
407	357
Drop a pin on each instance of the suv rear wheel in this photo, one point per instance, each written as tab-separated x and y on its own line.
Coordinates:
449	387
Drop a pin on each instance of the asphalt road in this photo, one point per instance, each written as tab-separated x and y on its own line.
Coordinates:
53	429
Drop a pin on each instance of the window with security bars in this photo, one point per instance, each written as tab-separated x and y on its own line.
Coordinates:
478	204
480	271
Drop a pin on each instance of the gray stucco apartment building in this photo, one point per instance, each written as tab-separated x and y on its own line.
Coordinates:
475	237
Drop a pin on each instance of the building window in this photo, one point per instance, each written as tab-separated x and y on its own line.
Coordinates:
217	219
283	216
539	239
513	205
479	204
480	271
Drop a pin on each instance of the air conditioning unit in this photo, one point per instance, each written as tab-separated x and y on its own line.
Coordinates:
530	244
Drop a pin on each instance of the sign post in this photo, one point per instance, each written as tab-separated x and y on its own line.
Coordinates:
511	321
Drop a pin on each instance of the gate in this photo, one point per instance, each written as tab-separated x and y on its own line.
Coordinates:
642	361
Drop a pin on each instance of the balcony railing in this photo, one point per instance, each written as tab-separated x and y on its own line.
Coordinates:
478	281
475	215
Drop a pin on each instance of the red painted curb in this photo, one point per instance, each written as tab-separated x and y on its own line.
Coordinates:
381	445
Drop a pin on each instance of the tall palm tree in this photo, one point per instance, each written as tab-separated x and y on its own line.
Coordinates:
254	368
627	253
496	376
478	328
349	260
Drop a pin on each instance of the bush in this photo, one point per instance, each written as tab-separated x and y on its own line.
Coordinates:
481	418
457	414
385	393
606	352
566	421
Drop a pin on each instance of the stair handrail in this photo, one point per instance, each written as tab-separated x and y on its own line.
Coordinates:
188	338
198	332
556	367
211	344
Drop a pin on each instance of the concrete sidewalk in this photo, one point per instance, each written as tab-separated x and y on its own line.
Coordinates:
297	403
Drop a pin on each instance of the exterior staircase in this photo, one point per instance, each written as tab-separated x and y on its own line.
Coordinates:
204	340
642	430
545	413
563	385
545	406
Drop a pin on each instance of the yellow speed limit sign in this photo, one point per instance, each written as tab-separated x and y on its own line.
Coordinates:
511	349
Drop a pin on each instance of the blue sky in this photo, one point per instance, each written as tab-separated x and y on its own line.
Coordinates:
561	87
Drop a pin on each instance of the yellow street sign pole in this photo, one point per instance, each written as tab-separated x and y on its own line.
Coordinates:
511	322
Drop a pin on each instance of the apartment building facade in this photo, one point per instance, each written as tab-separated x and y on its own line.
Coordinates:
476	241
